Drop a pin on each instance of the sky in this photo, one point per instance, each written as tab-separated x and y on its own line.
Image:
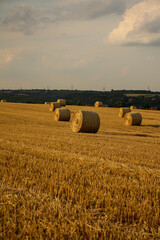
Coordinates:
80	44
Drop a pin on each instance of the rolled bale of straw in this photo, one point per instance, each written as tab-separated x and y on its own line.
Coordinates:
132	118
62	114
132	107
62	102
123	111
54	105
86	121
98	104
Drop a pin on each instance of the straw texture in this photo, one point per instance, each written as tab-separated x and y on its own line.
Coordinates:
54	105
86	121
132	118
62	114
123	111
62	102
98	104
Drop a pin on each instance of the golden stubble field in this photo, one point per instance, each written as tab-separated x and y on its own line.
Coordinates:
56	184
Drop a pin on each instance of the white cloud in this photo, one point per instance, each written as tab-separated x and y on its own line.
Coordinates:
140	25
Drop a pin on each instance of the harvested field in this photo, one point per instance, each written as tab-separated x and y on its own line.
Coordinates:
56	184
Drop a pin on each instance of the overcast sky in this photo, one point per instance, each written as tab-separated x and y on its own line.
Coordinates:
80	44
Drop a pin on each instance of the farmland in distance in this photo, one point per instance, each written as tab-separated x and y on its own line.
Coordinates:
56	184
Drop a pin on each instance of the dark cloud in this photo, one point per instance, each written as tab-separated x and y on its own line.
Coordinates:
153	26
137	43
93	9
21	19
29	19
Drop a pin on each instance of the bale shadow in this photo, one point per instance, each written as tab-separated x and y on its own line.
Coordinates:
126	134
131	134
150	125
149	118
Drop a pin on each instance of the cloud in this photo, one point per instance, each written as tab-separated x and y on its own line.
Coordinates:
91	9
7	55
29	19
140	25
21	19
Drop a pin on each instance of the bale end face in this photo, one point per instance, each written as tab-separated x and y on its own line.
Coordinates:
132	107
132	118
54	105
86	121
62	102
123	111
98	104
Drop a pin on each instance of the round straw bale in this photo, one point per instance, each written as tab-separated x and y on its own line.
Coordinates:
98	104
123	111
132	118
62	102
73	114
86	121
54	105
62	114
132	107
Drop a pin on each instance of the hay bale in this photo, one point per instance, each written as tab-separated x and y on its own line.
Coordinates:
86	121
62	102
72	117
54	105
98	104
132	118
123	111
62	114
132	107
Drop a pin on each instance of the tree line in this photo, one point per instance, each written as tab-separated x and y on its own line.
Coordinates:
114	98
